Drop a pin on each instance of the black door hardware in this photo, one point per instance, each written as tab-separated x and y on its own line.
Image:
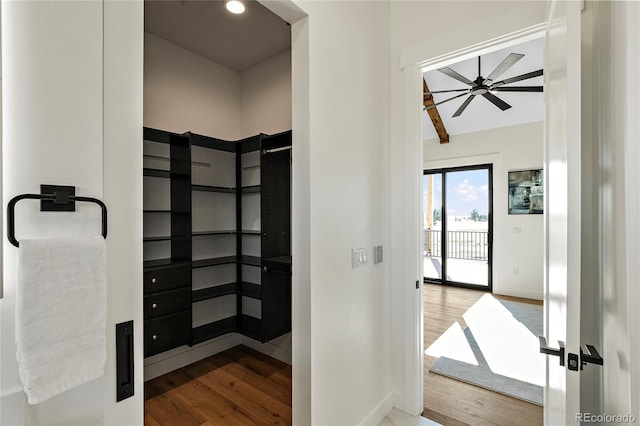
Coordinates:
124	361
61	198
589	355
545	349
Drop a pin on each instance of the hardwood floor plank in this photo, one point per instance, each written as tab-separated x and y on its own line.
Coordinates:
237	387
215	407
169	410
264	384
258	403
450	401
150	421
442	419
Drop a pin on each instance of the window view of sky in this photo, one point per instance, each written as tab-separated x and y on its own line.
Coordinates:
466	191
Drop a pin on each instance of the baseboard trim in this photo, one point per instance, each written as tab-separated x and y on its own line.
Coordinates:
514	292
12	403
166	362
382	409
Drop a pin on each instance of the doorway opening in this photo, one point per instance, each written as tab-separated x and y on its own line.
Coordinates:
482	264
458	226
217	214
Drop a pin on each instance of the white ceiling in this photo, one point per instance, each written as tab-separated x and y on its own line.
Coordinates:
482	114
205	27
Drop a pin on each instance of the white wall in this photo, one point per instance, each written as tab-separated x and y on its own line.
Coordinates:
186	92
265	93
61	128
348	149
507	148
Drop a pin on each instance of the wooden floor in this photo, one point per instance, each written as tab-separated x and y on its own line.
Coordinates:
236	387
450	401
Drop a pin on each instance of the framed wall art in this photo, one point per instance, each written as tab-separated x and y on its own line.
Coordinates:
526	192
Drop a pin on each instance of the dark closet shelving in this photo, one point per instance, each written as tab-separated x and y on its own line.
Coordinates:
251	290
274	292
214	329
206	188
253	189
161	173
167	281
215	261
215	291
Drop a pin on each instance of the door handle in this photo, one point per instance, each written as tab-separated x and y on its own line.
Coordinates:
545	349
589	355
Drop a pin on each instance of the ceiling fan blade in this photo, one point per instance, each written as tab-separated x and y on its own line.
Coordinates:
518	78
446	100
518	89
497	101
507	63
464	106
451	73
446	91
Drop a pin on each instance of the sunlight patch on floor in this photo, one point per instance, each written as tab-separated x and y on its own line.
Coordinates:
453	344
508	346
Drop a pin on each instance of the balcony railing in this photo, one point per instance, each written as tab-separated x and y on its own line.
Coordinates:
467	245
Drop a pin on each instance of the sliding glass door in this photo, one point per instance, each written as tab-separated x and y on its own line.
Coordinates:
458	226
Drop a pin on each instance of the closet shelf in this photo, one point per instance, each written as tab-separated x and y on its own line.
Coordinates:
165	238
245	260
207	188
251	189
213	329
212	292
220	232
250	260
285	260
165	211
251	290
225	232
162	173
202	263
163	262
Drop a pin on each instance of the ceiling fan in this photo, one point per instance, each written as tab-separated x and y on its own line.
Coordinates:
486	87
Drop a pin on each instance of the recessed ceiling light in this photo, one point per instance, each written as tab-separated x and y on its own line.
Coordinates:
234	6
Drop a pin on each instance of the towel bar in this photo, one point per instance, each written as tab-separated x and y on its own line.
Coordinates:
59	198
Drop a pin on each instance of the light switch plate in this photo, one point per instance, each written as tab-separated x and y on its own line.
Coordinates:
358	257
377	254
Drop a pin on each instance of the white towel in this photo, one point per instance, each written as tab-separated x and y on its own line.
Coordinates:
61	312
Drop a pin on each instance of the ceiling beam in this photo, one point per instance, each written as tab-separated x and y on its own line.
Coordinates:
427	101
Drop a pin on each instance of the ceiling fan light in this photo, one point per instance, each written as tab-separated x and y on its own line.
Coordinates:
234	6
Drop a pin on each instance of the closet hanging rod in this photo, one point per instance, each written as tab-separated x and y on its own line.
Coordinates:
269	151
62	198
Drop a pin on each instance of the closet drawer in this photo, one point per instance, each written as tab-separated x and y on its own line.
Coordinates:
167	333
166	302
167	278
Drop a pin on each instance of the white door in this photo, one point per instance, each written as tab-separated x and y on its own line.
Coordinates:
562	208
72	115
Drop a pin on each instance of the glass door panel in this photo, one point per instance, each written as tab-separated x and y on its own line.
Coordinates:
432	184
457	226
467	242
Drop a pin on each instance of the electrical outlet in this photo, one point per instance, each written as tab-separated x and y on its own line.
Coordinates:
358	257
